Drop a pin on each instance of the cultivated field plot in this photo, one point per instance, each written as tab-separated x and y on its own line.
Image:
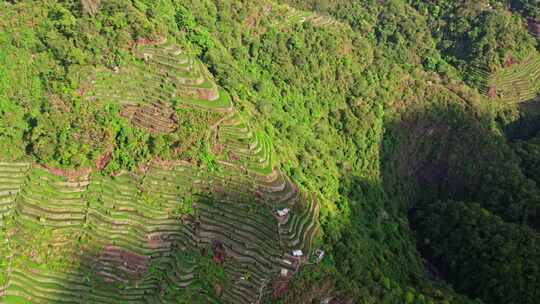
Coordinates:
150	89
287	15
517	83
122	239
146	236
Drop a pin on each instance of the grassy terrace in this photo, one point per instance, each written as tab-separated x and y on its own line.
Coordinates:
137	237
118	240
150	87
12	177
286	14
156	117
244	148
520	82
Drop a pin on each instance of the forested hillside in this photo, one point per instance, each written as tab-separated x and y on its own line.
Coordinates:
271	151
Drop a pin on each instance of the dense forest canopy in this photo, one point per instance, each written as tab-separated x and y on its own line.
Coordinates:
408	130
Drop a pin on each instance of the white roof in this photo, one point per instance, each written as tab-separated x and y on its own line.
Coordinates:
297	253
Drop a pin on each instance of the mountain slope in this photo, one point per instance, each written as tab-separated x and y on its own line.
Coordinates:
146	147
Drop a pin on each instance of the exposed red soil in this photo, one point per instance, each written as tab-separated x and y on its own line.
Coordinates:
156	118
232	156
280	288
217	148
219	252
156	240
148	41
208	94
134	262
509	61
59	104
251	21
272	176
534	27
74	174
103	160
128	111
492	92
83	88
143	168
71	174
168	164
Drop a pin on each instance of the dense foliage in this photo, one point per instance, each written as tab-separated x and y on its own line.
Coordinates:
479	253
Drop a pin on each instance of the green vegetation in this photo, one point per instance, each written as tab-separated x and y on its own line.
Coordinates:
507	254
145	147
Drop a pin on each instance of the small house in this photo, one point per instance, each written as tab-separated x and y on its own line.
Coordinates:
319	255
283	212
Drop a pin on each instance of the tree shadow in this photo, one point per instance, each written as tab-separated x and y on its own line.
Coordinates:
454	152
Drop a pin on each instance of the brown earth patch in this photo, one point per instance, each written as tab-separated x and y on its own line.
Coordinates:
103	160
156	118
70	174
169	164
280	288
219	252
157	240
534	27
208	94
126	260
492	92
509	61
149	41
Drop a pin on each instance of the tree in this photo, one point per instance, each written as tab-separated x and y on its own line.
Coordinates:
479	253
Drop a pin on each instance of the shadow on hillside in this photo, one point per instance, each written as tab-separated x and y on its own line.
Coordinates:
146	268
528	124
436	152
429	153
132	265
452	152
448	152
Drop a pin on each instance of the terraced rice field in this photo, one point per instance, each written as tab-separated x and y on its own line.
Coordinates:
297	16
149	89
139	237
156	117
285	15
520	82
